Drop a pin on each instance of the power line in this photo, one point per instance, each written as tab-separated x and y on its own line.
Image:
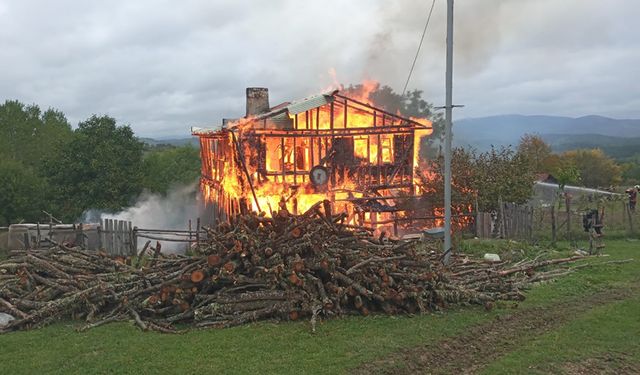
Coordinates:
424	32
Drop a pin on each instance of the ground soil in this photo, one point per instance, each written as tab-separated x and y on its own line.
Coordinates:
471	351
610	363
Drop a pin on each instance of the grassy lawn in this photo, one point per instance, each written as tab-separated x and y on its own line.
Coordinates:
608	333
339	345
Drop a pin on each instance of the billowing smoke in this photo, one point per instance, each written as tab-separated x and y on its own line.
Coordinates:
171	211
154	211
392	47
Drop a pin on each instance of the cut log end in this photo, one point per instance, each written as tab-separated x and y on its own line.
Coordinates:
197	276
214	260
229	267
295	280
296	232
298	266
293	315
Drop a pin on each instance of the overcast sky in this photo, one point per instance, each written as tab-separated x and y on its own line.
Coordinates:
163	66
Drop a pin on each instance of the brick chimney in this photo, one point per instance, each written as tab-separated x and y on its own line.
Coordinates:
257	100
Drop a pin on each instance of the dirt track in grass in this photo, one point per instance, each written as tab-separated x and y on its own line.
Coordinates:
471	351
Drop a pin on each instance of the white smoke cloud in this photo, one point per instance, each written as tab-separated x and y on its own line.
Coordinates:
154	211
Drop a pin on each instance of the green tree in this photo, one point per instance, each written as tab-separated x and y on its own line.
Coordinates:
502	173
168	167
415	106
631	170
566	173
100	167
595	168
30	136
22	193
536	151
497	173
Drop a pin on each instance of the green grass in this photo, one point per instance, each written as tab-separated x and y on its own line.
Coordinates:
338	345
610	330
263	347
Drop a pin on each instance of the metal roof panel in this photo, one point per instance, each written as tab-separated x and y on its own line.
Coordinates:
310	102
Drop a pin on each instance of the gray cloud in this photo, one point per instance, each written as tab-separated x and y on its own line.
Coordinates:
165	66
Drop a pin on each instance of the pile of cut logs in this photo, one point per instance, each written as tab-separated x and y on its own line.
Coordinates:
286	267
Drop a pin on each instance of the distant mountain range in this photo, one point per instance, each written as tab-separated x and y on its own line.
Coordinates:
170	141
617	137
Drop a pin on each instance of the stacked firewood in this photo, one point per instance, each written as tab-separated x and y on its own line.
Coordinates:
284	267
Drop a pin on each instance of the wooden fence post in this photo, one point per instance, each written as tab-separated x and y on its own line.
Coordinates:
38	235
197	234
134	240
120	237
531	217
110	236
553	223
630	216
100	236
190	230
501	232
105	235
567	201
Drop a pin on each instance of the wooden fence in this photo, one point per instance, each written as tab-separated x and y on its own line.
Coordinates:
560	221
516	221
117	237
512	221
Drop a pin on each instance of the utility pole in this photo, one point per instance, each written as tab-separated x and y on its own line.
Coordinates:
447	135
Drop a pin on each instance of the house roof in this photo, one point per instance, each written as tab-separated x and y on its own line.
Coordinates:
280	112
545	177
283	111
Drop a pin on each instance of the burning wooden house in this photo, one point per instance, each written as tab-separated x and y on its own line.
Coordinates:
327	146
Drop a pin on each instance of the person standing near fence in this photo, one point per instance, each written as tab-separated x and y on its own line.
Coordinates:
633	197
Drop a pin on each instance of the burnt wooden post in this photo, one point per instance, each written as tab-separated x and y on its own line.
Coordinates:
295	158
243	205
395	224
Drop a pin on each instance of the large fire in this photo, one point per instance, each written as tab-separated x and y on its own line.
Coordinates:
371	156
